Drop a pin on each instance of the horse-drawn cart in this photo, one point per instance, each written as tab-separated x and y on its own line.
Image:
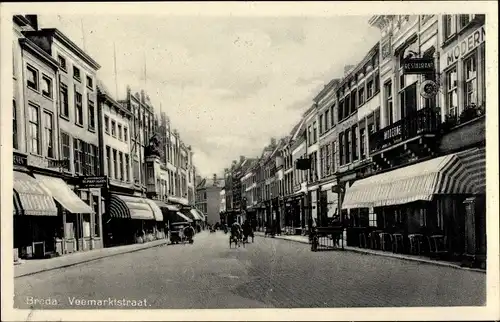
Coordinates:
327	238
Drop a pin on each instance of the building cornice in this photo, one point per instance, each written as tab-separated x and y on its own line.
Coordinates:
108	99
73	47
328	87
38	52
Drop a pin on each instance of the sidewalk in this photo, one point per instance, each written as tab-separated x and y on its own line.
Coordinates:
421	259
33	266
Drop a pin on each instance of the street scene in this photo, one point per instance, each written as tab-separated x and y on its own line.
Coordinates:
257	162
269	273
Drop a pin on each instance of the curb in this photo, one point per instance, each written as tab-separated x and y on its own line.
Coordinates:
87	260
390	255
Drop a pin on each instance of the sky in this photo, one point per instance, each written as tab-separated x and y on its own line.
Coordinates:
229	84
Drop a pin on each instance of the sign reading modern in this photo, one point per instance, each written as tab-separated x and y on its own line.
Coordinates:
418	66
465	46
92	182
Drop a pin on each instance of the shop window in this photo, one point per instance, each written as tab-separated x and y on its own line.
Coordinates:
372	219
470	91
95	203
49	135
423	218
64	103
86	224
452	93
34	129
70	226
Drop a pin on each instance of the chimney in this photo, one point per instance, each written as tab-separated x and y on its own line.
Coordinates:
273	142
33	21
348	69
215	179
242	158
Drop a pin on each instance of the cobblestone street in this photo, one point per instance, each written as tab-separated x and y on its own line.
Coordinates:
270	273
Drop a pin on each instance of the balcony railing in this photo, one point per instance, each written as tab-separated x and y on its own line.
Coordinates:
424	121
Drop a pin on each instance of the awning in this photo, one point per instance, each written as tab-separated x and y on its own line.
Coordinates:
196	215
30	198
168	206
118	208
202	215
421	181
474	161
156	210
138	207
178	200
62	193
182	217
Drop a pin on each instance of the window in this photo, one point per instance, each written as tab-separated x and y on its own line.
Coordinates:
78	155
115	165
76	73
332	111
465	20
355	155
34	129
362	145
108	161
120	157
32	77
49	136
369	89
348	146
78	109
94	159
470	91
14	125
361	95
113	128
347	106
372	220
327	120
377	82
62	62
388	102
64	101
309	137
106	124
119	132
451	92
91	115
450	27
320	124
315	133
65	148
47	86
97	229
334	153
341	148
340	111
127	168
125	134
90	82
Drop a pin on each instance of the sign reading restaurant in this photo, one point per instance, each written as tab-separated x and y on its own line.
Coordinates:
418	66
465	46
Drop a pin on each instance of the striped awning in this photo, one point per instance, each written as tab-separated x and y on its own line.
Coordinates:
474	161
130	207
30	198
156	210
63	194
421	181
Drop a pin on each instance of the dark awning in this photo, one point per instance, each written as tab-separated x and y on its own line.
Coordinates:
30	198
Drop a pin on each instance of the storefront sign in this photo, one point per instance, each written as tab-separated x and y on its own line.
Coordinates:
58	163
392	133
92	182
418	66
20	160
465	46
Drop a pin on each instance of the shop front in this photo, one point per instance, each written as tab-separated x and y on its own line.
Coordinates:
418	209
79	219
37	224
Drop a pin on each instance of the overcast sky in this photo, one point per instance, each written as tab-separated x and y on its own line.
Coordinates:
229	84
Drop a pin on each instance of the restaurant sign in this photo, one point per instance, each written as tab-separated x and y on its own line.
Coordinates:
92	182
465	46
419	66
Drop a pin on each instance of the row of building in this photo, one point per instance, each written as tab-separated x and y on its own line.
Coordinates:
90	170
393	148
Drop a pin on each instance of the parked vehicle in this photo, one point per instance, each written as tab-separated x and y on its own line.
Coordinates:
177	232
